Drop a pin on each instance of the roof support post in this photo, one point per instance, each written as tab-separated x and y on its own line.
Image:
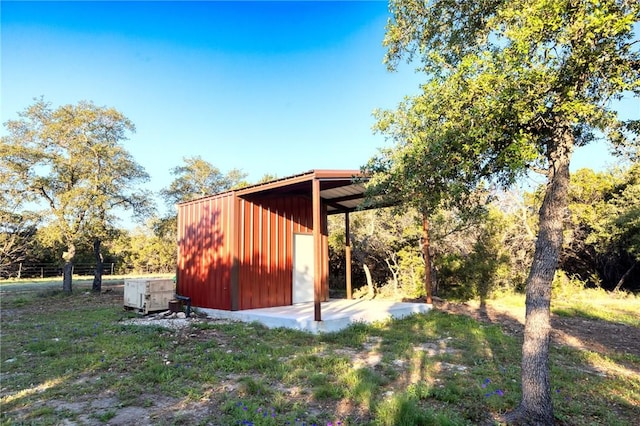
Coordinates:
347	255
317	249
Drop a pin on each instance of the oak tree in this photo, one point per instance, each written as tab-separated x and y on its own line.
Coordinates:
71	162
510	87
198	178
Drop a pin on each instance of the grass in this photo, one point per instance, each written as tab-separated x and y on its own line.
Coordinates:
81	281
433	369
596	304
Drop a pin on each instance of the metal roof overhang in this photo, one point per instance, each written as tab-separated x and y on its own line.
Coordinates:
340	190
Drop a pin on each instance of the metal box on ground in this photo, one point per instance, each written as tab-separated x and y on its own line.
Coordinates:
148	294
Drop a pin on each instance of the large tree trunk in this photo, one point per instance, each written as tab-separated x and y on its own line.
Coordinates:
536	407
97	276
427	258
367	273
67	272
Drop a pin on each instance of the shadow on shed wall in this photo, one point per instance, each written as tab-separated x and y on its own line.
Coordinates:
204	259
263	243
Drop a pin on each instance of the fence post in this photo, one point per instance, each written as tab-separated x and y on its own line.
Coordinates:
19	270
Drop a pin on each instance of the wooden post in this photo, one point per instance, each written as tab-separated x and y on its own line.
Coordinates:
347	255
427	259
317	250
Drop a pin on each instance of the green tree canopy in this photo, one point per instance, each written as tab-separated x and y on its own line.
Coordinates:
71	163
198	178
510	87
17	231
603	244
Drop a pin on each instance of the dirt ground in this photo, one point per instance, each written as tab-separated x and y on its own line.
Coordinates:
599	336
581	333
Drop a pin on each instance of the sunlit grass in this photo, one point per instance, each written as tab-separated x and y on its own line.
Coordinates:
509	300
436	369
403	410
598	304
32	390
620	308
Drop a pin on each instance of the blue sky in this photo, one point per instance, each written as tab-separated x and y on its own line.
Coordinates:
265	87
278	88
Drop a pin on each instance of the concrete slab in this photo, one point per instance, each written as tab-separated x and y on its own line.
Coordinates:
337	314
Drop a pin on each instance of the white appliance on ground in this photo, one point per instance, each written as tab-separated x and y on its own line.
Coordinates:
148	294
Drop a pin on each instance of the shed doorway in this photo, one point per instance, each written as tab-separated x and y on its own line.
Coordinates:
303	268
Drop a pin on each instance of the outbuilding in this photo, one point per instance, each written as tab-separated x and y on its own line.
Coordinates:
264	245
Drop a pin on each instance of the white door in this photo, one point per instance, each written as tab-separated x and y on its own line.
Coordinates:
302	268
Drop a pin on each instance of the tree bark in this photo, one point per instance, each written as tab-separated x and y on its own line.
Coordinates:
97	277
427	259
624	277
393	268
347	255
367	273
536	407
67	272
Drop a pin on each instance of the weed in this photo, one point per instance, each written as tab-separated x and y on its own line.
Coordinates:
106	416
449	392
252	387
437	369
327	391
17	302
404	411
361	385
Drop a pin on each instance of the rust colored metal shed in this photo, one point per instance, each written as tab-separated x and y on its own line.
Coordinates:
263	245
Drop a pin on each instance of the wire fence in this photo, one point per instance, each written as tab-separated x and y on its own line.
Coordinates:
53	270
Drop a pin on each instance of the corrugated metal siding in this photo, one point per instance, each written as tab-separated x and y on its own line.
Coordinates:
205	251
265	270
262	242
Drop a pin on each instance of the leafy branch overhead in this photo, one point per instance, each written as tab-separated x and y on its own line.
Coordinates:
502	79
510	87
